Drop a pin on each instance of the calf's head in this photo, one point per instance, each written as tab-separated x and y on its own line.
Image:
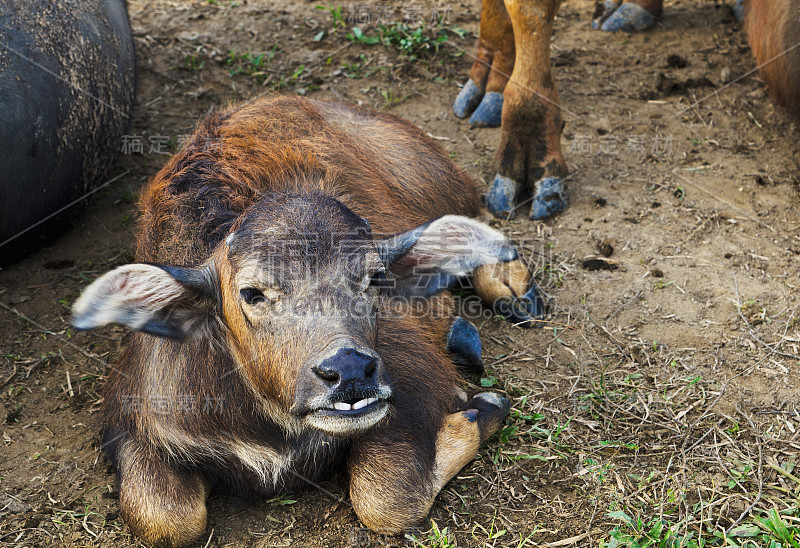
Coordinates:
297	286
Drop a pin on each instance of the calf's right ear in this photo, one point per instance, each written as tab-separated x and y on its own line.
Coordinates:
159	300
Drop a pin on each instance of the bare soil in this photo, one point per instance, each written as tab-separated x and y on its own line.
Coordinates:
665	382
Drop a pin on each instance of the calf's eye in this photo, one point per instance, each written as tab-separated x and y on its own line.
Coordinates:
378	279
251	295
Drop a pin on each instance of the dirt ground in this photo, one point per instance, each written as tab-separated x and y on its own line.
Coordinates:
664	385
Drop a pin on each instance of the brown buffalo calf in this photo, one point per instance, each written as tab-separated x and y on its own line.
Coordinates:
510	84
281	332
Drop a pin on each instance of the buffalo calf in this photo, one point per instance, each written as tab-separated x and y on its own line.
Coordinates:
291	313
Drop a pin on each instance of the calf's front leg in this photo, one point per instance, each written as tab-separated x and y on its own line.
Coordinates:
393	479
163	505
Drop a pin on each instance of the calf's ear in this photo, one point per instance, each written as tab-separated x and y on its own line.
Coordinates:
435	255
159	300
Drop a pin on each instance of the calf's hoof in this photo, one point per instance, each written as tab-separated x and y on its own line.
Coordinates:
549	198
464	343
468	99
629	18
490	112
523	311
502	195
489	410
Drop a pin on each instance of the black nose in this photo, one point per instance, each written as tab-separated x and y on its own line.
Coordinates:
347	364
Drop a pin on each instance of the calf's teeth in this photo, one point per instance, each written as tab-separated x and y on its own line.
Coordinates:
360	404
363	403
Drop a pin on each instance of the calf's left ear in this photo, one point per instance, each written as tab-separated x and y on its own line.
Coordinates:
159	300
433	256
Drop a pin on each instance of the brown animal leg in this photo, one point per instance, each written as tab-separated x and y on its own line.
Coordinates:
632	16
163	506
530	143
390	487
773	30
509	289
490	71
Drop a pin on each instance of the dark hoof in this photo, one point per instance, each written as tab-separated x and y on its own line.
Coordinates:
603	11
525	311
492	399
629	18
464	343
738	10
492	409
549	198
468	99
501	196
490	112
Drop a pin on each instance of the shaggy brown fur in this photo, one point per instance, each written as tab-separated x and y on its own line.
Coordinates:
773	30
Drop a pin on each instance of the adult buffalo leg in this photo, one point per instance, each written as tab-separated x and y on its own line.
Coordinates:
773	30
628	16
482	95
529	155
393	486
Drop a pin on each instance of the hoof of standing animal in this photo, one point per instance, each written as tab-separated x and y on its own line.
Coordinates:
468	99
489	112
522	311
628	18
549	198
738	10
464	344
602	11
502	196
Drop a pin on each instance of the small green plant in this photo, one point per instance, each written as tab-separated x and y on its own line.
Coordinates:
191	63
492	533
413	42
434	537
298	71
251	64
638	533
389	99
777	531
739	473
771	531
337	22
488	381
661	284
